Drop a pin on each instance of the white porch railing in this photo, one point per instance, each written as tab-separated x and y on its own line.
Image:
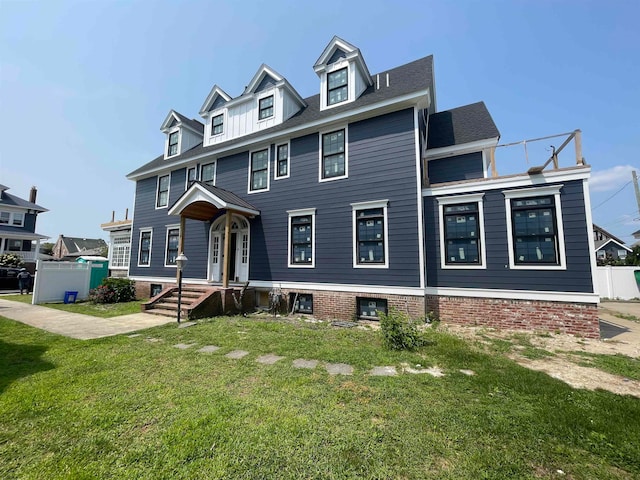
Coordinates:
26	256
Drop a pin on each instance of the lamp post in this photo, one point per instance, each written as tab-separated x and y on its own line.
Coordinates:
181	262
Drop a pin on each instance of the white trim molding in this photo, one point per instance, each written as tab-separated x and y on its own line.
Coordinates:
266	148
321	135
550	190
420	202
341	287
356	207
276	160
455	200
302	213
166	244
157	207
592	243
524	295
144	230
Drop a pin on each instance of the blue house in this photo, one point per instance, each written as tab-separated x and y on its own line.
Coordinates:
361	198
18	226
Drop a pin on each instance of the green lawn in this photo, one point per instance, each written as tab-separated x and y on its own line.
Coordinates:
124	407
105	310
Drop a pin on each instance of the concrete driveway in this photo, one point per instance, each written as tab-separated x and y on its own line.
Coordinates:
75	325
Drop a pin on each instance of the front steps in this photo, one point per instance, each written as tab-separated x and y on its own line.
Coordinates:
197	302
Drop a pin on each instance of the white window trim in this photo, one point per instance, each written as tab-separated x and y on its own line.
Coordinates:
454	200
536	192
324	82
186	176
268	149
215	171
301	213
115	243
271	92
355	207
275	160
158	190
144	230
166	244
346	153
166	146
224	123
12	218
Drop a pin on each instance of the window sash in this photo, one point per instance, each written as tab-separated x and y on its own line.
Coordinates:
173	143
337	87
163	191
5	218
173	238
283	160
259	170
208	173
370	236
534	230
266	107
144	251
217	124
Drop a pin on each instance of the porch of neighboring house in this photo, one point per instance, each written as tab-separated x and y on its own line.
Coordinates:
227	275
22	245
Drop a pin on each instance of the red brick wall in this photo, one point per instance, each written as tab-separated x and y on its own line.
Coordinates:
575	318
143	289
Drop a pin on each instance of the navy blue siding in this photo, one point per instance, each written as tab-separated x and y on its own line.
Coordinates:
497	275
453	169
381	156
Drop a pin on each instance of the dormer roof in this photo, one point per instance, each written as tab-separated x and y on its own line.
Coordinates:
216	98
337	49
174	119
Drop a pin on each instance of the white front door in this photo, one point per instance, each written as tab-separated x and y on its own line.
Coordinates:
239	250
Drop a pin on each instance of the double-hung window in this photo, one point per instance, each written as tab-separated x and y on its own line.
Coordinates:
337	86
282	161
144	248
333	153
162	197
535	231
173	143
265	107
173	238
15	219
208	173
462	231
18	219
5	218
191	175
370	239
302	238
217	124
259	171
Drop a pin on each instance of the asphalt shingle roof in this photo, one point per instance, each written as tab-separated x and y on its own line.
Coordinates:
8	199
403	80
193	123
466	124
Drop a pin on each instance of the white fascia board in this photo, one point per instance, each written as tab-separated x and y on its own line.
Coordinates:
257	78
416	99
338	287
216	90
535	295
199	194
616	242
167	120
336	42
520	180
18	235
435	153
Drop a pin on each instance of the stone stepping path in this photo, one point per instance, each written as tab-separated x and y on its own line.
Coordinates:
208	349
237	354
183	346
469	373
339	369
302	363
268	359
383	372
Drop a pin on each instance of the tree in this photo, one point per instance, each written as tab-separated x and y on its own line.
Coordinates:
47	248
633	258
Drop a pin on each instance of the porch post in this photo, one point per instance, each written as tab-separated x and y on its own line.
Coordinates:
37	253
180	245
227	248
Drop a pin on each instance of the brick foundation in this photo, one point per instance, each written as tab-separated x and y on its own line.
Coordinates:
575	318
342	305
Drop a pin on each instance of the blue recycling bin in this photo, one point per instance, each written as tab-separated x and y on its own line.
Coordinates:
70	296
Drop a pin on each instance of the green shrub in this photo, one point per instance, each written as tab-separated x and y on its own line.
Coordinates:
114	290
399	332
10	260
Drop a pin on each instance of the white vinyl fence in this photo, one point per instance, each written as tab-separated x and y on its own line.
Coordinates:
617	282
54	279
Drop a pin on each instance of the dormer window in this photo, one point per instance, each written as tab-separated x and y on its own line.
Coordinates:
266	107
337	86
217	124
173	143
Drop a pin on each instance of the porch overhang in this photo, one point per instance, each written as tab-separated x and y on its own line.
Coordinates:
202	202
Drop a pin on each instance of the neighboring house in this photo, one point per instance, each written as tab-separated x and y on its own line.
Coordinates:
608	246
361	198
70	248
119	244
636	235
18	225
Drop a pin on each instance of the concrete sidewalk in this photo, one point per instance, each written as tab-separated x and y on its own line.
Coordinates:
619	329
75	325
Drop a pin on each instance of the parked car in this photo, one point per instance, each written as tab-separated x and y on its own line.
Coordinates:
9	278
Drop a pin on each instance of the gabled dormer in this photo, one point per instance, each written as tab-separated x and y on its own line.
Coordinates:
182	134
268	100
343	74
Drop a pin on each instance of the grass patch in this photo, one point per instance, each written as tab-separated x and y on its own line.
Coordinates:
17	298
104	310
626	316
122	407
616	364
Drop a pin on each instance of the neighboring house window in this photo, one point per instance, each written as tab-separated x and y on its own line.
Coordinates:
15	219
5	218
535	230
191	175
259	171
266	107
302	238
337	86
622	254
462	231
162	198
173	238
120	251
333	155
282	161
18	219
601	254
144	249
370	239
14	245
370	308
208	173
173	143
217	124
302	302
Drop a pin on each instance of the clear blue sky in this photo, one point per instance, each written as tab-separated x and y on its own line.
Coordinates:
85	86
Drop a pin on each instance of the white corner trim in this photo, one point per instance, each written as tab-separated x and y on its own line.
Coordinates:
420	202
592	246
534	295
